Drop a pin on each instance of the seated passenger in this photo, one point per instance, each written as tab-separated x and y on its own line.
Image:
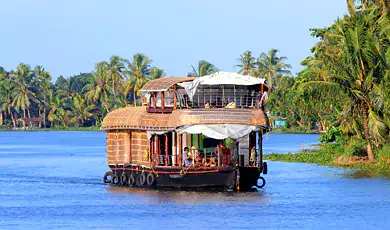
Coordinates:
213	162
199	161
207	163
231	105
252	156
185	152
188	162
207	105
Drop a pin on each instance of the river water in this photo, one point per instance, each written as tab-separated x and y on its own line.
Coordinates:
53	180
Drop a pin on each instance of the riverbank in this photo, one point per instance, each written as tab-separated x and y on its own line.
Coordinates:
296	130
337	155
92	128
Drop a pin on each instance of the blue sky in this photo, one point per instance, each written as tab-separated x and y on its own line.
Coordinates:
69	37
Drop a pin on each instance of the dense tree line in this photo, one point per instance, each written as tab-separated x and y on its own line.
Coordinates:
84	99
81	100
345	87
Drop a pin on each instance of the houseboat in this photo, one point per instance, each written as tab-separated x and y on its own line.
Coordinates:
190	133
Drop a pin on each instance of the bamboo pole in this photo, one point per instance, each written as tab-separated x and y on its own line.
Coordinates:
180	149
166	149
174	97
162	99
154	99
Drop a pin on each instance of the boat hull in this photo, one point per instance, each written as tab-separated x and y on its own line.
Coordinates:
228	178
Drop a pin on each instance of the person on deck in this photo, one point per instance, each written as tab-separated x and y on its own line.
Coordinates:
231	105
189	160
185	153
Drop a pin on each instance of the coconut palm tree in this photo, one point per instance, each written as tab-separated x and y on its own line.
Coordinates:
98	88
23	95
353	54
60	115
43	79
155	73
272	67
203	68
80	110
247	63
114	68
137	72
6	97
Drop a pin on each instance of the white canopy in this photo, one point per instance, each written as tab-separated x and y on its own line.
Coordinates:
229	78
219	132
220	78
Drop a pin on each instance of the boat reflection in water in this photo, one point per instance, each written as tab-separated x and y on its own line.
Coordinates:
150	196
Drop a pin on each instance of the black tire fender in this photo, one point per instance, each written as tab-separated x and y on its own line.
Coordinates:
131	180
105	177
115	179
142	178
151	179
262	181
265	168
123	179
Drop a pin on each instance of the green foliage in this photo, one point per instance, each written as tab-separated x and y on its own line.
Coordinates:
330	135
204	68
329	154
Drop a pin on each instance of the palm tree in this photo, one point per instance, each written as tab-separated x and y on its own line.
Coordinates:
204	68
272	67
353	54
80	110
43	79
98	88
6	97
23	95
247	63
61	115
138	74
156	73
115	67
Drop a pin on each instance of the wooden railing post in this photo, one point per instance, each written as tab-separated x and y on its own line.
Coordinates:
180	149
154	99
174	97
260	161
157	139
162	99
166	149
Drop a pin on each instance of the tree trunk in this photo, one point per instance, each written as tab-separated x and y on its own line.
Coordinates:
24	116
135	100
44	111
113	88
366	132
1	118
39	114
29	116
12	116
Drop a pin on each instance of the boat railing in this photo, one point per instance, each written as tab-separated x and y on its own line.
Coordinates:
162	158
220	98
241	156
249	157
212	98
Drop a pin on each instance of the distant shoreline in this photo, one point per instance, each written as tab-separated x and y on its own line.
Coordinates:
326	158
2	129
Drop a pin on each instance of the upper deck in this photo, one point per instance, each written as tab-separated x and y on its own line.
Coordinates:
219	90
220	98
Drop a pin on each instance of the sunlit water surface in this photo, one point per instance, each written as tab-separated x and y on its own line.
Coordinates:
53	180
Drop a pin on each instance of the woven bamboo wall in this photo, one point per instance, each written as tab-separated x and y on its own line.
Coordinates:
118	146
140	148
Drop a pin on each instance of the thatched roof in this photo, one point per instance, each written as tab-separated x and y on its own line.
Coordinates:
139	118
163	84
